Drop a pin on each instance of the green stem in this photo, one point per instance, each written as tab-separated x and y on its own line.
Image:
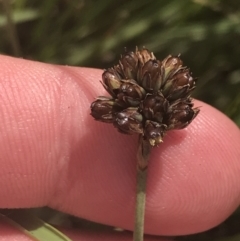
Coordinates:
144	149
140	205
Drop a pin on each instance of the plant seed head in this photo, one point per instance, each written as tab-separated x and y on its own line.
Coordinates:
148	96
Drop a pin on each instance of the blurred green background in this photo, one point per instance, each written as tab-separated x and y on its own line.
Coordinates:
94	33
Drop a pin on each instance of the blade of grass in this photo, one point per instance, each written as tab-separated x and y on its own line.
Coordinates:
32	226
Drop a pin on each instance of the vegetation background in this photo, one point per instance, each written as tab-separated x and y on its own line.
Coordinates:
93	33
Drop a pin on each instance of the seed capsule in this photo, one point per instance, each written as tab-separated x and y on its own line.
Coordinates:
181	115
128	121
170	66
102	109
154	107
130	93
111	81
154	132
128	64
179	86
150	76
144	56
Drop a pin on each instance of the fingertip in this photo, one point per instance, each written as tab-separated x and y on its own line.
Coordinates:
194	176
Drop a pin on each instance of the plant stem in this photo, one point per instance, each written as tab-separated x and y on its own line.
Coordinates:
140	205
142	157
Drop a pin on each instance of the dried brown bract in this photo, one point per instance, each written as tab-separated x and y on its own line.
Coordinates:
148	96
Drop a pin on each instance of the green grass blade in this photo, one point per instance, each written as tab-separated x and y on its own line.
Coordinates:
32	226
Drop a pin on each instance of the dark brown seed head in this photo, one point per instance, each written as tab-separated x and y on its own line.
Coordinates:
149	96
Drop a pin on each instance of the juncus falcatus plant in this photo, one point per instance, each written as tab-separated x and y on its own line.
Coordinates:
148	97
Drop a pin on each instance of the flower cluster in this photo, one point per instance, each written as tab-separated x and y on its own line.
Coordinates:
148	96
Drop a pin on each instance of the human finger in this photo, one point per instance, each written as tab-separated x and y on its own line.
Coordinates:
53	153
